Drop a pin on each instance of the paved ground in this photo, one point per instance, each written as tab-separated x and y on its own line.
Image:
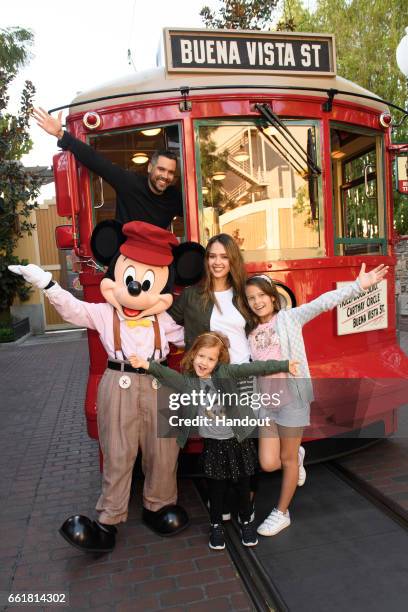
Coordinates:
385	465
50	469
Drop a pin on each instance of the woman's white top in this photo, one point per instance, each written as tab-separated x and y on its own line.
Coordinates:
229	321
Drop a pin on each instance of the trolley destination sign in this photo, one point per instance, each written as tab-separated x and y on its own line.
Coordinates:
366	312
249	51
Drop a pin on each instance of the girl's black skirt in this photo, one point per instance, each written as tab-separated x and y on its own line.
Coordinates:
229	459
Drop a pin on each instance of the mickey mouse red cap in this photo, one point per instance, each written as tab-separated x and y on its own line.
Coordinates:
148	243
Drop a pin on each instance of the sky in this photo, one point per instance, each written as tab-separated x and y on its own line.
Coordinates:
83	43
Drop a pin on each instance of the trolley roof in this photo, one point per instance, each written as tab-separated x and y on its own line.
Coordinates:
151	85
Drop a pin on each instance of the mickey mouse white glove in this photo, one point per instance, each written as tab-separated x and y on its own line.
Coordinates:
33	274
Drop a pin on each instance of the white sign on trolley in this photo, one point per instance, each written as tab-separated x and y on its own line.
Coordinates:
366	312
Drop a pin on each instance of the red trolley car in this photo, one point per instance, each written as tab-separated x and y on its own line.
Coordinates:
291	160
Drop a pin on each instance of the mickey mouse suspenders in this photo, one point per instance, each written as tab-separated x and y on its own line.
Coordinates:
125	380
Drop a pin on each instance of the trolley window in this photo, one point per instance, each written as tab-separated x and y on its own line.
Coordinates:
358	191
255	187
132	150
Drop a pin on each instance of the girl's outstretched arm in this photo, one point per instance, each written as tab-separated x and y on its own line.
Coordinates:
165	375
329	300
257	368
367	279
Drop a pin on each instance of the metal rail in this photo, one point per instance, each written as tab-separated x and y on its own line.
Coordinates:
264	594
184	91
396	512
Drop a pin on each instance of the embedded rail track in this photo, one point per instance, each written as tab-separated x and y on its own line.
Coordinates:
303	567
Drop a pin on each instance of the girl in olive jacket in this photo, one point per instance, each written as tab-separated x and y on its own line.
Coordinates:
224	422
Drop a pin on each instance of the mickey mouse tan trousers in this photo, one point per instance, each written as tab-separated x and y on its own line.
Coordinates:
127	421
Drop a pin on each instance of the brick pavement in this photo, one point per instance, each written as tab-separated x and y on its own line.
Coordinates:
49	470
385	465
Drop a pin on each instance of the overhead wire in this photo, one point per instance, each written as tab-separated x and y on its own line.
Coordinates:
131	32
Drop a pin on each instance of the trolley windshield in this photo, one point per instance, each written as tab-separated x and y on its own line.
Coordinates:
256	186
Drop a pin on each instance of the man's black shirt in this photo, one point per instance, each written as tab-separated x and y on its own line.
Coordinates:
135	200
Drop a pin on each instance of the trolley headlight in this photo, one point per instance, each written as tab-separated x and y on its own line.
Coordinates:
91	120
385	119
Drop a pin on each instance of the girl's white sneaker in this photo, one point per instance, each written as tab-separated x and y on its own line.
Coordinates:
302	471
274	523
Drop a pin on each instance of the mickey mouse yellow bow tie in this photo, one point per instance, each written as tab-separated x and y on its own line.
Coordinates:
139	323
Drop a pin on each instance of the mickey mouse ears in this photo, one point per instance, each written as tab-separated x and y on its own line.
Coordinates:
188	263
106	240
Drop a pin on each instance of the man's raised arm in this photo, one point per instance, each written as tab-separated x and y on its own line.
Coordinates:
113	174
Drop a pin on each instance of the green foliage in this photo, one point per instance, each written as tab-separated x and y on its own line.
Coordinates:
15	46
18	188
400	208
302	207
367	34
400	214
240	14
212	162
11	284
6	334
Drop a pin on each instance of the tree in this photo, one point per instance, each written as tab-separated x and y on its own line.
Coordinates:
292	16
18	188
240	15
367	33
212	162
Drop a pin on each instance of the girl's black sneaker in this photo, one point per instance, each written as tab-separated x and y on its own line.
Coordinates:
217	541
248	534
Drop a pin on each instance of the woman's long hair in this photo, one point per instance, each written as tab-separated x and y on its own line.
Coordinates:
236	276
265	284
206	340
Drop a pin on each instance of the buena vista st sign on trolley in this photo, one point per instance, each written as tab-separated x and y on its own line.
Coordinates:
249	51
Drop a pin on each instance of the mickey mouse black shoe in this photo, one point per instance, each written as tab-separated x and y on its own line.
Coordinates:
88	536
167	521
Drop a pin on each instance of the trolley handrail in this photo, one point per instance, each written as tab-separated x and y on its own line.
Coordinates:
182	91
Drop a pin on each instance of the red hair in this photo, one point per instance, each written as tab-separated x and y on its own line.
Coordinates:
206	340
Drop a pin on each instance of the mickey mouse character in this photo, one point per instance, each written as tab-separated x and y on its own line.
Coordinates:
144	261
